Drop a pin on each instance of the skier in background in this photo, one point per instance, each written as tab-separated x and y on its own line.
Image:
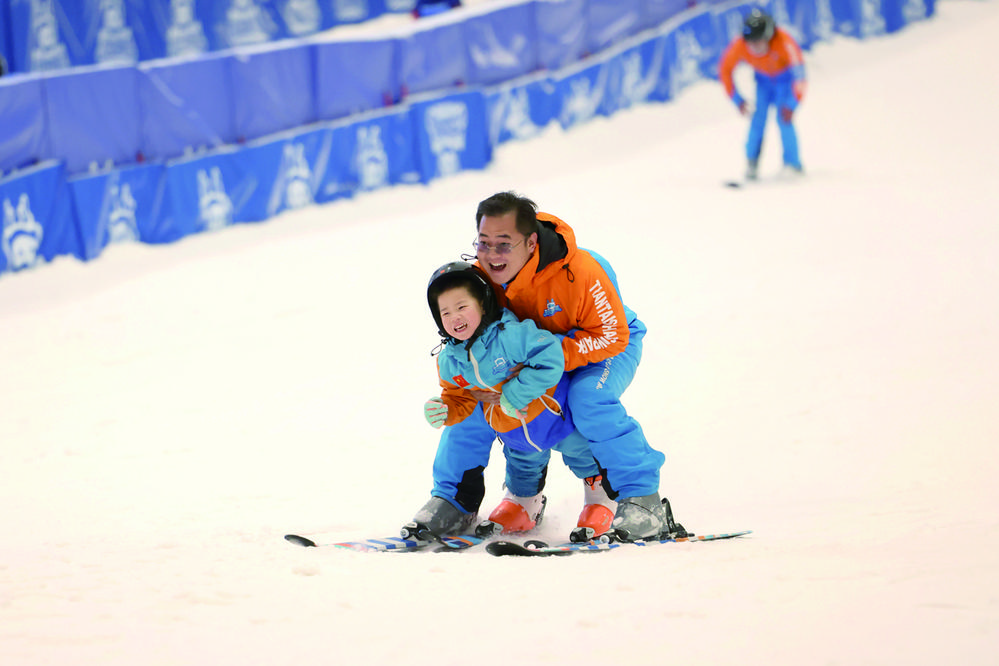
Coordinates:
780	82
486	348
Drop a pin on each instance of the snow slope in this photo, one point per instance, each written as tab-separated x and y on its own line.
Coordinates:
821	368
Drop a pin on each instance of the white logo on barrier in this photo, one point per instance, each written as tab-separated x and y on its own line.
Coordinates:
583	99
733	25
246	23
783	18
447	124
115	41
297	176
512	112
302	16
400	5
490	52
687	66
636	86
914	10
780	13
350	10
215	207
630	91
872	21
825	23
186	35
122	226
47	50
22	234
370	158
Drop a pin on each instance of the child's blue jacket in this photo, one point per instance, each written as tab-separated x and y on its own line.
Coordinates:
540	386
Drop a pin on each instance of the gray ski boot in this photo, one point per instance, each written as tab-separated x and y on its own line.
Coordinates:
645	518
438	518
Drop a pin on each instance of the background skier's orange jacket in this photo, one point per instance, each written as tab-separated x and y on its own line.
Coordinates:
782	59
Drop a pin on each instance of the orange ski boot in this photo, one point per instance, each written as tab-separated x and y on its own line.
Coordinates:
513	514
597	514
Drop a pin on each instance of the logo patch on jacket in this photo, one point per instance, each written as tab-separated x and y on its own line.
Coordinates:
551	308
460	381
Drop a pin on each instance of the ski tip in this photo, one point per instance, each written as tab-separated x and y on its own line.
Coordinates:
300	540
530	548
734	184
506	548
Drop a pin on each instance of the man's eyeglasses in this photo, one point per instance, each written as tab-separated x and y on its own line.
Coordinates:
482	247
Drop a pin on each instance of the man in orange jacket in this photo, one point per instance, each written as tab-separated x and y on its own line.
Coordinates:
541	274
780	82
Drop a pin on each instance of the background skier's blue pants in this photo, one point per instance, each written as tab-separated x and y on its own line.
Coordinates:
615	440
773	92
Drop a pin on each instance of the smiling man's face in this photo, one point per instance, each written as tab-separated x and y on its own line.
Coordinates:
502	250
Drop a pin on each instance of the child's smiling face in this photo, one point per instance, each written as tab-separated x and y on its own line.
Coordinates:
460	312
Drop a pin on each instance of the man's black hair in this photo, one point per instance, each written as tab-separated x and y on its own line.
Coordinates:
505	202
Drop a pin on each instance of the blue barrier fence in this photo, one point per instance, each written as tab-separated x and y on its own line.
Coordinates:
168	148
45	35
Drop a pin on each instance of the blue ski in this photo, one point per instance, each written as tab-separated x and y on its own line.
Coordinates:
539	549
389	544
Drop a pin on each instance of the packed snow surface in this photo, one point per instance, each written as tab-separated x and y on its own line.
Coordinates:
822	367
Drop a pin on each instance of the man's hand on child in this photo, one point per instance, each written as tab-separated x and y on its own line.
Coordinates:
435	412
487	397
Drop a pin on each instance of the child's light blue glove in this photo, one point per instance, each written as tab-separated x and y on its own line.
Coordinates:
509	409
435	412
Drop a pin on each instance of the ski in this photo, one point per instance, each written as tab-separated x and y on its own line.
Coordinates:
392	544
539	549
786	175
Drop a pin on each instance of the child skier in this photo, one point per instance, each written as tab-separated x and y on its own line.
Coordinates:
488	348
780	82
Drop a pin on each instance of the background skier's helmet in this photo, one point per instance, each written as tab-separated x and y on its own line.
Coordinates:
460	273
758	26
